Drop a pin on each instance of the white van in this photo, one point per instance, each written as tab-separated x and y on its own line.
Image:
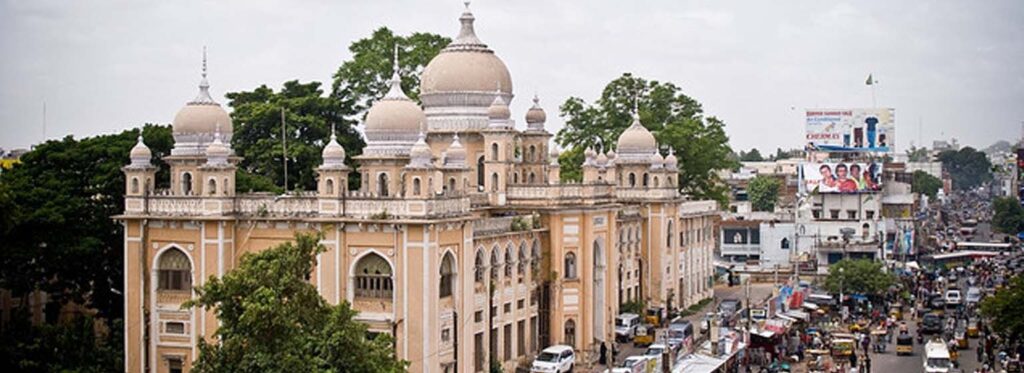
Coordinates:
936	357
625	326
953	297
554	359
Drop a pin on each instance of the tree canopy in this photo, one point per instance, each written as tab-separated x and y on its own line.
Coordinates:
1006	310
763	192
676	120
58	235
967	167
858	276
363	79
915	154
753	155
272	319
925	183
308	117
1008	215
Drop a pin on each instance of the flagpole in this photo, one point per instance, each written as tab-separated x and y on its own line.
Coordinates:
284	153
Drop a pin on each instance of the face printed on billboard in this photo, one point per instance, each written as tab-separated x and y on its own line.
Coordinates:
851	130
850	177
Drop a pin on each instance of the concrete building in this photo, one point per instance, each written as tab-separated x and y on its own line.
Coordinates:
459	231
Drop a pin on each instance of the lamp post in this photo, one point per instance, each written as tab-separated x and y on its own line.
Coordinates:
842	307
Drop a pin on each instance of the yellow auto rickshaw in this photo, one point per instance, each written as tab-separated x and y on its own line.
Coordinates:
904	344
644	335
654	315
973	331
896	311
842	347
961	339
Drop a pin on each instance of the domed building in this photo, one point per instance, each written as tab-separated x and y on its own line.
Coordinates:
451	231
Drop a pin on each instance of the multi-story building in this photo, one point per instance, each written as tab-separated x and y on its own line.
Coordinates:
460	241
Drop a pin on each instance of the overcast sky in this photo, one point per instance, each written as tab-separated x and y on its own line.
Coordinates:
950	68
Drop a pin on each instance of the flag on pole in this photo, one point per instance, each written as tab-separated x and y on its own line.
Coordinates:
870	80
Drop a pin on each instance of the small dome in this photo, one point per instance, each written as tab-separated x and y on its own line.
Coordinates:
657	161
589	153
602	160
671	161
637	139
420	154
498	109
395	112
334	153
217	153
535	117
456	154
553	154
140	154
202	114
465	65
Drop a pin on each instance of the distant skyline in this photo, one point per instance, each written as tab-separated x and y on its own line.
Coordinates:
950	69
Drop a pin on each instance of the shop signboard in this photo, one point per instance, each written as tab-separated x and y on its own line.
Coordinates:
851	130
841	177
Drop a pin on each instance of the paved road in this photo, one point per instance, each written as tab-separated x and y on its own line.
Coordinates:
889	362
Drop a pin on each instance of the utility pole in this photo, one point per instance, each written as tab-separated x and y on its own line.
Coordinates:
284	151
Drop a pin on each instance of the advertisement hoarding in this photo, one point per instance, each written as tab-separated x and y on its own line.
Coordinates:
843	177
851	130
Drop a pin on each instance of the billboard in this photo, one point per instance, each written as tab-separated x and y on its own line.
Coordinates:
851	130
843	177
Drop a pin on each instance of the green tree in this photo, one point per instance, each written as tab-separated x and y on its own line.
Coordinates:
753	155
363	79
675	119
967	167
67	346
925	183
273	320
70	187
915	154
858	276
308	117
763	192
1008	215
1006	310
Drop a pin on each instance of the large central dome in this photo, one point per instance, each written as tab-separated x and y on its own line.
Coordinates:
460	83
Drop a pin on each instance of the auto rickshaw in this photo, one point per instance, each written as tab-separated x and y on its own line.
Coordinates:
654	315
879	340
896	311
973	331
961	339
644	335
904	344
841	346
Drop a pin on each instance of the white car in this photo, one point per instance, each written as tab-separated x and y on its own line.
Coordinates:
953	297
655	351
625	326
973	295
554	359
635	364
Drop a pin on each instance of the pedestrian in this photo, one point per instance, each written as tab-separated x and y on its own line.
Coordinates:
853	358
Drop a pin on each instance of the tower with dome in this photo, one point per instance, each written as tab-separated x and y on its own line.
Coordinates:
460	240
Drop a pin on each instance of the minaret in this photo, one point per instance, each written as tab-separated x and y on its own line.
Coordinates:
219	170
332	177
499	143
140	173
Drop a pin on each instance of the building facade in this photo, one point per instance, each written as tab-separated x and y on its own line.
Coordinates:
460	240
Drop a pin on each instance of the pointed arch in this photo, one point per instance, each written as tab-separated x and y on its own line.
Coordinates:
447	275
373	277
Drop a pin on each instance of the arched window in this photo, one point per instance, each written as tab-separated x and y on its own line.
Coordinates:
515	178
671	232
671	182
186	184
212	186
570	265
656	182
480	172
533	152
533	178
495	263
646	179
784	244
632	179
135	185
451	185
509	261
570	333
447	275
382	184
494	152
174	271
225	187
479	266
415	186
494	182
329	185
373	277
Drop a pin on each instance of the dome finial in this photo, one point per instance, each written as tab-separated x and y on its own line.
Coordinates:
467	36
395	91
204	62
333	136
204	97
